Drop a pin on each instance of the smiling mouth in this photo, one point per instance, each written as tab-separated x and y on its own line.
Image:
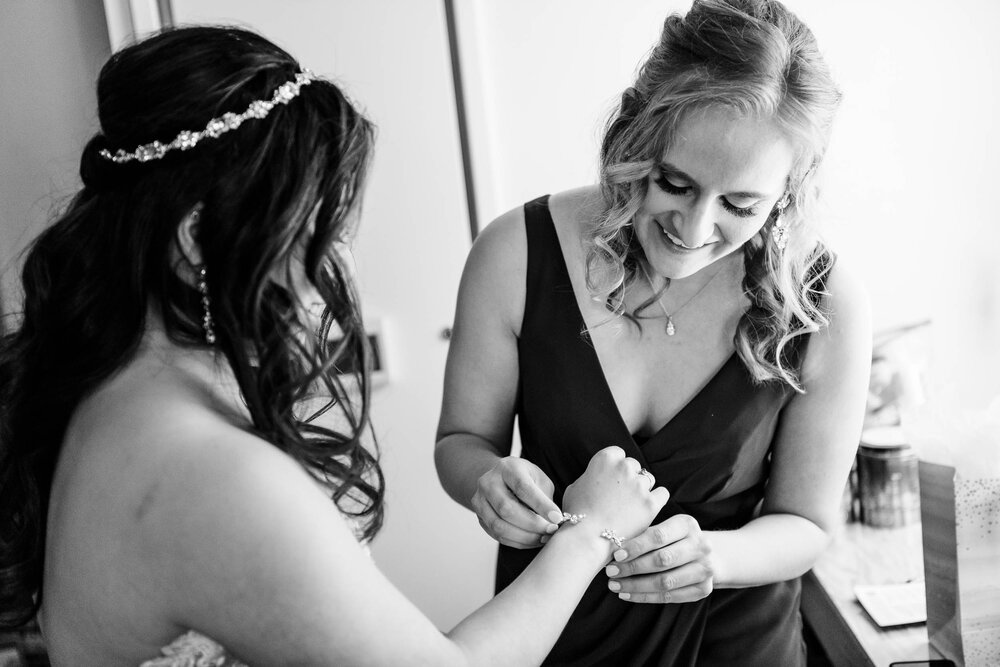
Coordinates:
680	244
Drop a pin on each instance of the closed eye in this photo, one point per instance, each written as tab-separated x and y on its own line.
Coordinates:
738	211
664	184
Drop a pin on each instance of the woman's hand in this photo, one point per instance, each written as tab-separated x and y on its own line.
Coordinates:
513	501
614	495
669	562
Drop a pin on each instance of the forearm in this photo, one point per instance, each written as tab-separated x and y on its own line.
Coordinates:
461	459
771	548
537	605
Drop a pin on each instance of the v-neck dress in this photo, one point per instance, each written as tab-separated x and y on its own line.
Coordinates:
712	456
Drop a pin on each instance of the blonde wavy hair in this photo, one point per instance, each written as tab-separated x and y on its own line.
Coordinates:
758	59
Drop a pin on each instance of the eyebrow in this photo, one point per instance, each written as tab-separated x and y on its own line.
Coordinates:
674	171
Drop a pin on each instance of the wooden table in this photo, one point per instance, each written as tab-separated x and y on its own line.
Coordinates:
863	555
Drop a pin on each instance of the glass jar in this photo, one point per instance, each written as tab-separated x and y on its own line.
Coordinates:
888	483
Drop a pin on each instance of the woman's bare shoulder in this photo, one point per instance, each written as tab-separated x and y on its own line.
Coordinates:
493	281
574	214
503	239
505	236
158	410
180	517
576	208
846	341
163	439
153	480
847	298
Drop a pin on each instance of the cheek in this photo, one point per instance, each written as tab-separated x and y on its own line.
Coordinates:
658	202
738	232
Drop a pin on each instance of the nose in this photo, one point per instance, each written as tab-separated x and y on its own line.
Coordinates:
695	226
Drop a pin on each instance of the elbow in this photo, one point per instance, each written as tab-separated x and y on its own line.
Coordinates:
450	466
440	458
821	536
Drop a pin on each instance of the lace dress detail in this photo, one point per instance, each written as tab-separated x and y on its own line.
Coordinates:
193	650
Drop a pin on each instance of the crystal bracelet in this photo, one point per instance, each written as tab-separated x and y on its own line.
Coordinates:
609	534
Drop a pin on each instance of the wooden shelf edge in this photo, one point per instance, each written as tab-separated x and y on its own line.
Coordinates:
831	630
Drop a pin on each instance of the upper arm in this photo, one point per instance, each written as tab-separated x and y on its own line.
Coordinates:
819	430
481	375
250	552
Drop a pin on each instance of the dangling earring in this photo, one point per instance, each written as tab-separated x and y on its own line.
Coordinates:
778	230
206	321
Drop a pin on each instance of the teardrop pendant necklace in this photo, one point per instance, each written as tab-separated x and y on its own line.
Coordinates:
670	328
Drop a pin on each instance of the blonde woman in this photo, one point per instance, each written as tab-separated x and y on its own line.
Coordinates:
686	310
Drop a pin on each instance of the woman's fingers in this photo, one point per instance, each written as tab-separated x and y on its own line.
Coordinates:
633	466
686	583
669	562
612	452
661	560
658	497
667	532
508	499
501	529
538	501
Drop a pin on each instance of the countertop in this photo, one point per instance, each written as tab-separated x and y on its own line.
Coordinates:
864	555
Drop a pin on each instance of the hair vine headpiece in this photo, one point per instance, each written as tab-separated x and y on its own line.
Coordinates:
216	127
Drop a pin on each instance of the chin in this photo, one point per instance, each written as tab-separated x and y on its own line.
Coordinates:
677	265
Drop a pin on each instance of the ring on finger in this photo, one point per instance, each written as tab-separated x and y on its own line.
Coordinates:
648	475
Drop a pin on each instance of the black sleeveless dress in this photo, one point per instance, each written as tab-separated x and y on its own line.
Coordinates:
713	456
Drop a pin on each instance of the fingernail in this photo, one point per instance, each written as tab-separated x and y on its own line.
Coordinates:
554	516
551	528
612	571
543	539
621	555
615	586
624	596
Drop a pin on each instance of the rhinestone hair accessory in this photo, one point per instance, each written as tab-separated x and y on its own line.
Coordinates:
216	127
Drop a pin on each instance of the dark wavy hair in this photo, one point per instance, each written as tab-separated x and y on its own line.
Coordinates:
756	58
267	190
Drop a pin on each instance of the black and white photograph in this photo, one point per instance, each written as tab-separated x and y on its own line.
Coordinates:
582	333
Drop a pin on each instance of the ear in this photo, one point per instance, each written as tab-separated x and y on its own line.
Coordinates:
187	236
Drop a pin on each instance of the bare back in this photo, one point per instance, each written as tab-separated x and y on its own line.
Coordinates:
140	433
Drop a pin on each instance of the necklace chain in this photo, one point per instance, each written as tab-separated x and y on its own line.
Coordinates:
671	329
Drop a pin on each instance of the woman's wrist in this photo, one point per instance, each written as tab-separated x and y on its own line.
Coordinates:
584	539
717	558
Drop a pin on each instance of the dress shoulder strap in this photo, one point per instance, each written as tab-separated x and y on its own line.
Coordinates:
549	303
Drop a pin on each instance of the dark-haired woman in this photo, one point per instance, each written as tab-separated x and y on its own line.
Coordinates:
686	311
166	494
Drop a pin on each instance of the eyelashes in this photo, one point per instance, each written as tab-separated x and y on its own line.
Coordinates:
664	184
748	212
670	188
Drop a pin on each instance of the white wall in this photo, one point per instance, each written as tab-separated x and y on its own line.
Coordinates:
911	173
50	52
